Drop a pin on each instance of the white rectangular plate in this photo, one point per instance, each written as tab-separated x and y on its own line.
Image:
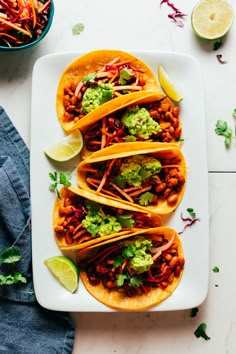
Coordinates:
45	130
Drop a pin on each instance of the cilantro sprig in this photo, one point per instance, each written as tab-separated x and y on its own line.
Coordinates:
77	29
10	256
59	178
222	128
201	331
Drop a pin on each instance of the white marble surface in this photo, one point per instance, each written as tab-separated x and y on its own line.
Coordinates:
144	25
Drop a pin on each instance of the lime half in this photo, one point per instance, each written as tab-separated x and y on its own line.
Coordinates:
167	85
67	148
212	19
65	271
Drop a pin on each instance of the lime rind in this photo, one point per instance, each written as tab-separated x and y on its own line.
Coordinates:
167	85
65	271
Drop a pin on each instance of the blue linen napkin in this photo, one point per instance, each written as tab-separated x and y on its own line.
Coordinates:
25	327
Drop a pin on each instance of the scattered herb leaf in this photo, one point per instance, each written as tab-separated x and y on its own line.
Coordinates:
77	29
146	198
223	129
220	60
217	45
10	255
89	78
135	280
201	331
216	285
194	312
191	212
61	178
216	269
234	113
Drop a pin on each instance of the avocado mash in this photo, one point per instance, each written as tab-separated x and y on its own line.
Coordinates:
138	168
96	96
139	260
99	224
140	123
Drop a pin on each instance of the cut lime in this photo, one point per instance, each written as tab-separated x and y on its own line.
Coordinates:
211	19
67	148
65	271
167	85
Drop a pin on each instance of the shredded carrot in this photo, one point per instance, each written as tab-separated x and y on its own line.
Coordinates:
80	233
122	192
103	143
16	27
106	174
112	62
128	87
77	228
33	13
134	194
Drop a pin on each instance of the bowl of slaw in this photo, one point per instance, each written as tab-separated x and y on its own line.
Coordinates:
24	23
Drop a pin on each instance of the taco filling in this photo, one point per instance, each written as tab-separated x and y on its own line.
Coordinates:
78	220
157	121
134	268
116	78
143	179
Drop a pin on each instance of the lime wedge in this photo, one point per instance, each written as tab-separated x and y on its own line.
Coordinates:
167	85
65	271
212	19
67	148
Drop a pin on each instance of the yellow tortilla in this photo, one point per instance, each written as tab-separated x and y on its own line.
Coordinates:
138	98
90	63
117	300
157	150
68	192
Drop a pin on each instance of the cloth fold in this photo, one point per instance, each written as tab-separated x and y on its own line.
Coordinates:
25	327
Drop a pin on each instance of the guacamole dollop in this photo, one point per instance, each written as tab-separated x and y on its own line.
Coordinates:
140	123
99	224
95	96
139	258
138	168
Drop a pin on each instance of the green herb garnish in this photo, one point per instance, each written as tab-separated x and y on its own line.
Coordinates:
61	178
146	198
201	331
77	29
191	212
89	78
216	269
223	129
194	312
10	256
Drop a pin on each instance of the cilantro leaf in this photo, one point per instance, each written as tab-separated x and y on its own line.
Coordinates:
201	331
126	220
9	279
146	198
128	251
194	312
135	280
234	113
217	45
77	29
121	279
191	212
223	129
10	255
118	261
216	269
119	181
89	78
63	178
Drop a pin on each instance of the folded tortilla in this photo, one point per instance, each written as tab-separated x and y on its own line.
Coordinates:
72	84
167	280
72	207
161	122
92	172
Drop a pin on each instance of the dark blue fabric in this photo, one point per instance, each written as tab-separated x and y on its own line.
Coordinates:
25	327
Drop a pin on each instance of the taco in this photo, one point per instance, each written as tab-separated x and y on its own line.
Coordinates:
81	219
151	176
136	273
94	79
152	118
